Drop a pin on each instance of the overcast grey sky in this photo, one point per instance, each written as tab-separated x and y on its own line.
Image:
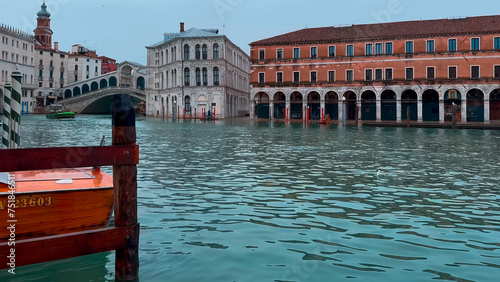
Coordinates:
122	28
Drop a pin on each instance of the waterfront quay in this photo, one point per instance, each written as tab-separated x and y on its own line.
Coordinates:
425	71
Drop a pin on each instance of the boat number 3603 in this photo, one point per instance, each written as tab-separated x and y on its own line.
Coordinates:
29	202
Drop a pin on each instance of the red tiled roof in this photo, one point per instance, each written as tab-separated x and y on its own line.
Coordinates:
426	28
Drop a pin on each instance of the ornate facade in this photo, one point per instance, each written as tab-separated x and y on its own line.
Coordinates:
18	53
197	70
380	71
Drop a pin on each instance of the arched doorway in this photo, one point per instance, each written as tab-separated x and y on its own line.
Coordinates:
94	86
103	83
409	101
389	109
495	104
332	105
296	103
76	91
475	106
279	105
452	99
85	89
262	105
67	94
113	82
351	105
368	106
201	104
430	105
314	105
141	83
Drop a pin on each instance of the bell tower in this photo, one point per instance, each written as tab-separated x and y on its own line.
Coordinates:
43	33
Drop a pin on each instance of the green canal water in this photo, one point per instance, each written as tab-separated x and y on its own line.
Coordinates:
241	201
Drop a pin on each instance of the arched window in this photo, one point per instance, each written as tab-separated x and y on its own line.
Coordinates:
198	77
51	63
187	104
41	62
187	77
96	69
204	52
76	67
216	76
198	52
205	77
88	68
216	51
186	52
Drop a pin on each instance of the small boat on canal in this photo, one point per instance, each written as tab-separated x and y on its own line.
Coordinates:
54	202
57	112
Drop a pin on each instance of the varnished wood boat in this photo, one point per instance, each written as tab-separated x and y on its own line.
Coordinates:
53	202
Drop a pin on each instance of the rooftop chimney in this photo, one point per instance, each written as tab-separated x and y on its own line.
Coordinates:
182	27
56	46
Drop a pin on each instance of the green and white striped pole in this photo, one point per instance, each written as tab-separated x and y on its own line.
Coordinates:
15	110
6	117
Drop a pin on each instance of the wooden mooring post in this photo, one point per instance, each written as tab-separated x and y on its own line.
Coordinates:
123	155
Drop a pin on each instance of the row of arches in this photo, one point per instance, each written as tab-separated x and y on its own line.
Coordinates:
102	84
472	106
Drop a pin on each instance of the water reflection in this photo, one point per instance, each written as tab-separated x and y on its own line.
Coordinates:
236	201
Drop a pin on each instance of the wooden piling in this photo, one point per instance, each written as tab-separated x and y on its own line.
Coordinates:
125	188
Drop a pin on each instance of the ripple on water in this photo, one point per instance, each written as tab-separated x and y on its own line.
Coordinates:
270	202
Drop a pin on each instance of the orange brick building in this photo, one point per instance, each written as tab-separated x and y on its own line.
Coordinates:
379	71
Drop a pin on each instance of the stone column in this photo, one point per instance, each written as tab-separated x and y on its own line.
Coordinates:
464	109
420	109
358	104
487	111
441	111
379	109
252	109
322	109
304	111
288	110
341	110
271	110
398	110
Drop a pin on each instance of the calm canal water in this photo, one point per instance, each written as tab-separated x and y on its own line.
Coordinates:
238	201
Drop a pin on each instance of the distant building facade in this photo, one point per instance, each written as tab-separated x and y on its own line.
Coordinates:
83	63
379	71
51	64
18	53
195	70
107	64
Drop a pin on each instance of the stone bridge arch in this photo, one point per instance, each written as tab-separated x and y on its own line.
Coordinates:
101	102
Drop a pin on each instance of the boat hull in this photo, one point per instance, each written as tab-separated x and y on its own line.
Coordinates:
84	204
63	115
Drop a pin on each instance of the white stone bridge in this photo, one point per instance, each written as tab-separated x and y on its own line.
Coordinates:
100	101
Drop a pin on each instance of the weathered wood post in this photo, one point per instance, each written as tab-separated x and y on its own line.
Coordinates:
125	189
